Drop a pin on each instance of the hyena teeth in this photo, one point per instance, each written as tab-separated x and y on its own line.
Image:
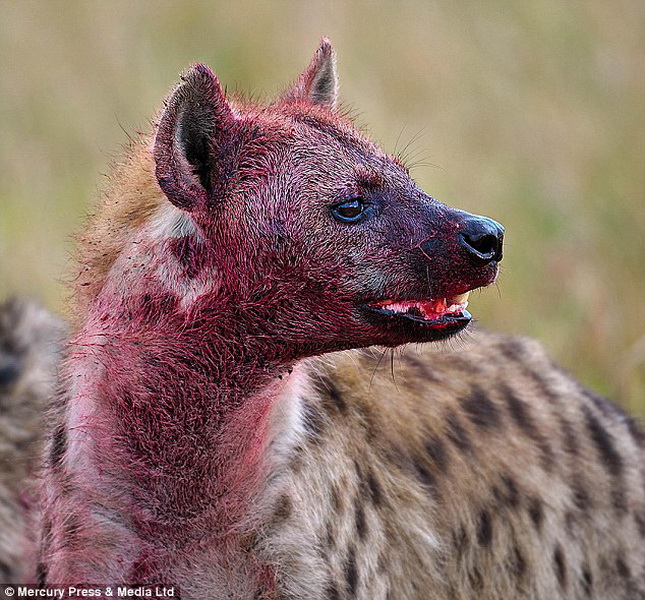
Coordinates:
459	299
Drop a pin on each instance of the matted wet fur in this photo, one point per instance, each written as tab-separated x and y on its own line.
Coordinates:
221	430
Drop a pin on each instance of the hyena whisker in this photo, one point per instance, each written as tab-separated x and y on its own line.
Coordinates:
381	356
423	164
403	153
395	151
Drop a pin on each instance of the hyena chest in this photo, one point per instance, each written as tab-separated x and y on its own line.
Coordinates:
335	532
349	516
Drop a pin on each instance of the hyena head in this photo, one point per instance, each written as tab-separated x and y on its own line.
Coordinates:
316	235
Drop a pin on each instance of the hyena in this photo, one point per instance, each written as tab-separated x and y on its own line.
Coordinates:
29	342
224	428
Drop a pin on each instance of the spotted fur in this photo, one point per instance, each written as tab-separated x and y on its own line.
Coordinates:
30	340
220	429
432	484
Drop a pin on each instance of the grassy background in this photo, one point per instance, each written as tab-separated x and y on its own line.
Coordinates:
530	112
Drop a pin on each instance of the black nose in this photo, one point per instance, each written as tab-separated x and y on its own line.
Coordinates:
482	238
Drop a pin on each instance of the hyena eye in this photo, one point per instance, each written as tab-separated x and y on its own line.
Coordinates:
350	211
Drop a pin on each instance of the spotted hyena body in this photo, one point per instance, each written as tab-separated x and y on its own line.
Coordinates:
221	430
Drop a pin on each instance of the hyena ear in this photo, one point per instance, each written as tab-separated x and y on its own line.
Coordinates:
194	127
318	83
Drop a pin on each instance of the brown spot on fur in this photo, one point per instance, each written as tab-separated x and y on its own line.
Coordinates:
436	449
536	512
456	433
330	535
484	528
368	485
423	368
425	476
10	369
520	412
336	501
587	580
282	511
400	457
518	562
332	392
248	540
509	494
513	349
476	579
570	439
332	591
522	417
581	497
351	573
636	431
360	520
481	411
461	541
618	499
639	518
375	490
296	463
622	568
560	566
604	443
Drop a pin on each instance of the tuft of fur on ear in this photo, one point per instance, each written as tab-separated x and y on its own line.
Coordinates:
318	83
193	130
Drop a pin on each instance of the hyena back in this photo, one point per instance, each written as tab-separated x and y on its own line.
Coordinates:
221	430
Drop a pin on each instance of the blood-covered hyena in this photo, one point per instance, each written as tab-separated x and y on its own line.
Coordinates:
223	429
29	342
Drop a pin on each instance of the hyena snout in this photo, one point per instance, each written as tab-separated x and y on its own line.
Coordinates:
482	239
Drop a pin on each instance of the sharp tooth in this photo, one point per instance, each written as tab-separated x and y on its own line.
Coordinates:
460	299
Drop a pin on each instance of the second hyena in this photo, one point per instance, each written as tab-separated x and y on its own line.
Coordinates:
30	339
211	436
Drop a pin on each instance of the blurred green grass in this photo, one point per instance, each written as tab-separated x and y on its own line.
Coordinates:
533	113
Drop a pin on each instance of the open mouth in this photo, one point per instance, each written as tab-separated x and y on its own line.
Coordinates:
442	314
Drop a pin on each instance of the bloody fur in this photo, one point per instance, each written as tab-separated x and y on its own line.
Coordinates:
194	303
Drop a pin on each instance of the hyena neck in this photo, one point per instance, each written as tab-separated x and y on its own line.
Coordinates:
176	389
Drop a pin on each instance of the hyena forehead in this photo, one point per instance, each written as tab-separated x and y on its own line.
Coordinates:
206	146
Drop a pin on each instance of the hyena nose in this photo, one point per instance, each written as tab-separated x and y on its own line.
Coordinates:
482	238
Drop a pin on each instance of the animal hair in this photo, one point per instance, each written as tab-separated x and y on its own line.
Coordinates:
228	422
